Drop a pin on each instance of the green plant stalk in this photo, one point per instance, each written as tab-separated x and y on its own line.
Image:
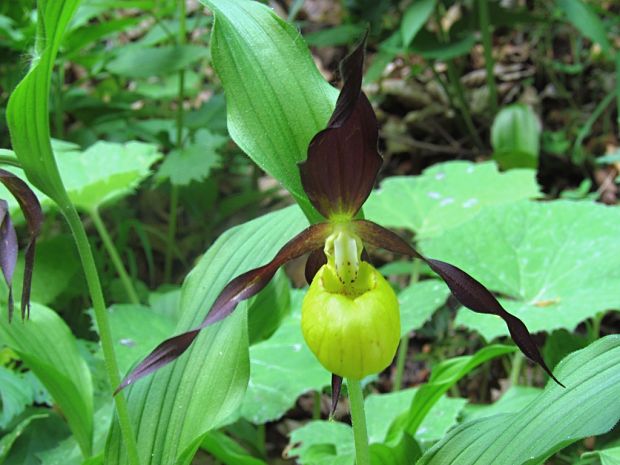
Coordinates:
174	192
316	406
358	421
618	86
103	325
489	64
595	329
462	103
404	341
587	127
400	362
515	371
116	259
456	85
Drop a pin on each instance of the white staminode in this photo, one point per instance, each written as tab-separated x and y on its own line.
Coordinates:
343	250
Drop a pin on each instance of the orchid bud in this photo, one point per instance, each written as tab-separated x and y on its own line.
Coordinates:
353	328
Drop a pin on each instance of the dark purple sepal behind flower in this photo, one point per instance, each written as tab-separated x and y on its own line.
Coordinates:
240	288
469	292
343	160
336	387
315	261
31	208
8	251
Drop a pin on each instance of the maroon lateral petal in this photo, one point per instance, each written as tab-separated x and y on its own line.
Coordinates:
31	208
240	288
336	387
468	291
8	251
343	160
315	261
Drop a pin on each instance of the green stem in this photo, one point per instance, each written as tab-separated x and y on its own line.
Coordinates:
462	103
316	407
261	439
358	421
595	330
455	83
174	193
103	325
400	362
116	259
515	371
587	127
404	341
489	64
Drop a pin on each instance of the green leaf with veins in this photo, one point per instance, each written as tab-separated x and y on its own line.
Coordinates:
281	369
105	171
607	456
102	173
419	301
514	400
7	440
195	161
558	417
133	340
48	348
273	115
202	389
557	263
15	393
446	195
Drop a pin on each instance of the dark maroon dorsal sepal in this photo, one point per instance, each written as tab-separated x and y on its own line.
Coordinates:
343	160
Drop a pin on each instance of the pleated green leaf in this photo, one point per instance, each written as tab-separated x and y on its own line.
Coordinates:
47	347
27	112
173	409
556	418
276	98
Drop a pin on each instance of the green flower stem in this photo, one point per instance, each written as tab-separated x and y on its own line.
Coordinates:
400	362
316	406
116	259
174	193
489	64
456	85
358	421
103	325
404	341
517	364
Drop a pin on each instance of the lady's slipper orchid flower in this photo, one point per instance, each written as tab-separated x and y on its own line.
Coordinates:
350	315
31	209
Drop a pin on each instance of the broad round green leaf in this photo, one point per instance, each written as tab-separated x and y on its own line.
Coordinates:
47	347
446	195
276	98
419	301
556	263
175	407
105	171
556	418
